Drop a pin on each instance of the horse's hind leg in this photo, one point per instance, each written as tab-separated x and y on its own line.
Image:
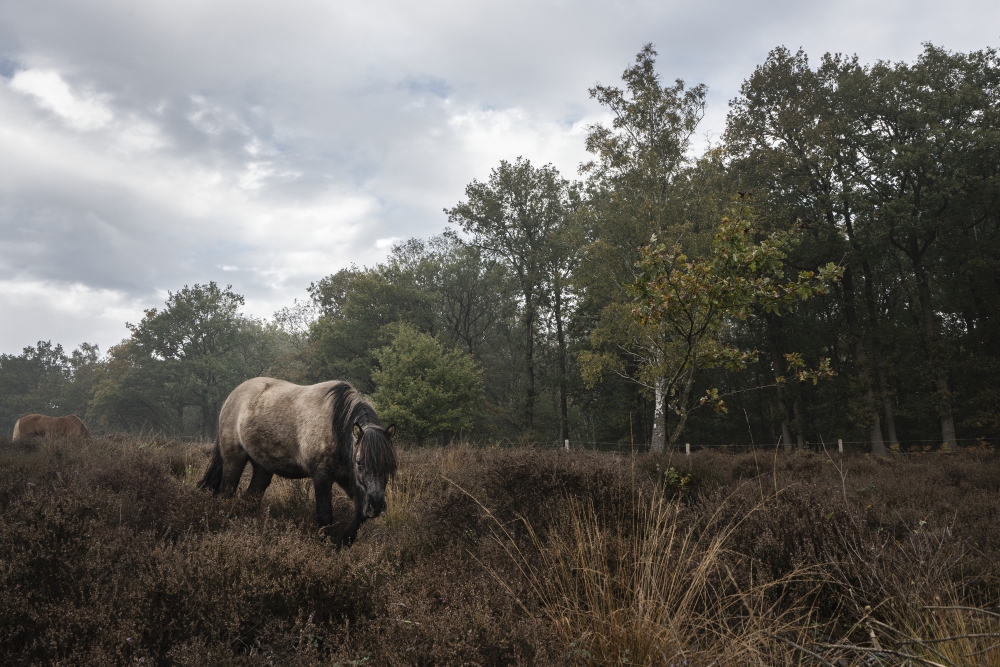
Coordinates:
232	471
260	481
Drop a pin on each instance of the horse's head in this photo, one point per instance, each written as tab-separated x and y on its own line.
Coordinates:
374	464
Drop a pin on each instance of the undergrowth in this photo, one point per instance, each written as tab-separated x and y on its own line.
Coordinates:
109	554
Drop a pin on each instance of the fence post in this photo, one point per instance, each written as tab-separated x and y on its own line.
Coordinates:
840	445
566	444
687	448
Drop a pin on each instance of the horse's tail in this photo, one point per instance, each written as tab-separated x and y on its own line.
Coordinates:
17	430
213	476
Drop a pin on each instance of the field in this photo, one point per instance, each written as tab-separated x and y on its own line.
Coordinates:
110	555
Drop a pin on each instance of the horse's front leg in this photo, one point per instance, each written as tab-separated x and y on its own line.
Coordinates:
323	486
347	539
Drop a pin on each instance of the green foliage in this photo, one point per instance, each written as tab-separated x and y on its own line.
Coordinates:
190	354
675	480
740	275
684	305
893	168
521	216
428	390
42	379
640	157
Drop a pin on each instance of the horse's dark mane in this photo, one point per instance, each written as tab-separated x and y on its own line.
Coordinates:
351	407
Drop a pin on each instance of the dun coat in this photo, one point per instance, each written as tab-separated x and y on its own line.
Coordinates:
328	432
36	425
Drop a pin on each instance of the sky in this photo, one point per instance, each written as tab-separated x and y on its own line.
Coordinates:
149	145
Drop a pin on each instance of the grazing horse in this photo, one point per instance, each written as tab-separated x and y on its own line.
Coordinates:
32	425
328	432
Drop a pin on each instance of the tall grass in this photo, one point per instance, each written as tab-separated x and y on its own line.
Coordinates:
664	585
654	586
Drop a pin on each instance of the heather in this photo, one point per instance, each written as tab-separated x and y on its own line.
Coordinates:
494	556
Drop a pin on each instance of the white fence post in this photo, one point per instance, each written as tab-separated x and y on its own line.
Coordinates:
840	445
687	448
566	442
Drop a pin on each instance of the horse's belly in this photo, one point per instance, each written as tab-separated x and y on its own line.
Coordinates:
279	464
286	470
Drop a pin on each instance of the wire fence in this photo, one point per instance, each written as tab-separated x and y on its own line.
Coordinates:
838	445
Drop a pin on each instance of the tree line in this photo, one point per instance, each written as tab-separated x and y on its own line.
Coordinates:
829	268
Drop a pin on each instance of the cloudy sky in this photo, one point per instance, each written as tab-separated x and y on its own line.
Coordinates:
148	145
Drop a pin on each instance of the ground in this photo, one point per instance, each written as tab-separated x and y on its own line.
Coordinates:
109	554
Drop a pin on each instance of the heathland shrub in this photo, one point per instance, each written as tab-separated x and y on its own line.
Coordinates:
110	555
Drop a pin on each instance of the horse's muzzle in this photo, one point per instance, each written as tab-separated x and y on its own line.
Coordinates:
375	506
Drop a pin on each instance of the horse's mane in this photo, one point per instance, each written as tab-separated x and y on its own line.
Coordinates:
351	407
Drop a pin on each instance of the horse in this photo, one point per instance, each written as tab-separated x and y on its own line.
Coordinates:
34	425
328	432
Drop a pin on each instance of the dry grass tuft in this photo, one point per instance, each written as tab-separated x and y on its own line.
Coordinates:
654	587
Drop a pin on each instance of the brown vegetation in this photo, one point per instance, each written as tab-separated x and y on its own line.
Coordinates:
110	555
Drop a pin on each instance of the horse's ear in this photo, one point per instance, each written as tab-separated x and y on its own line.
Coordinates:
391	431
358	433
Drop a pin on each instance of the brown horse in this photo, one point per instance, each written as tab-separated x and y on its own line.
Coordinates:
328	432
32	425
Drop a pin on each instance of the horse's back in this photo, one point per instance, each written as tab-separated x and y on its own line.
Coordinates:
277	401
74	426
279	424
36	425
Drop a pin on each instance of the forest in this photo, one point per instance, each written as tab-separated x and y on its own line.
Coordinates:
828	269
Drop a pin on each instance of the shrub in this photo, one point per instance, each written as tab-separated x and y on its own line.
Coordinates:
427	390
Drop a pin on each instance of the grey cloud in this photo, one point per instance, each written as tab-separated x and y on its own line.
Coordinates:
283	141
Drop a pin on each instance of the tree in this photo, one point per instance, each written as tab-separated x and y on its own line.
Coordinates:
512	217
131	392
42	379
355	304
428	390
561	261
792	134
472	290
635	190
192	353
683	306
932	140
294	350
893	165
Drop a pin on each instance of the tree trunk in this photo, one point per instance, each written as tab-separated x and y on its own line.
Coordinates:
875	438
529	325
883	381
683	407
778	370
771	410
943	393
561	341
207	425
782	414
659	440
800	438
881	375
